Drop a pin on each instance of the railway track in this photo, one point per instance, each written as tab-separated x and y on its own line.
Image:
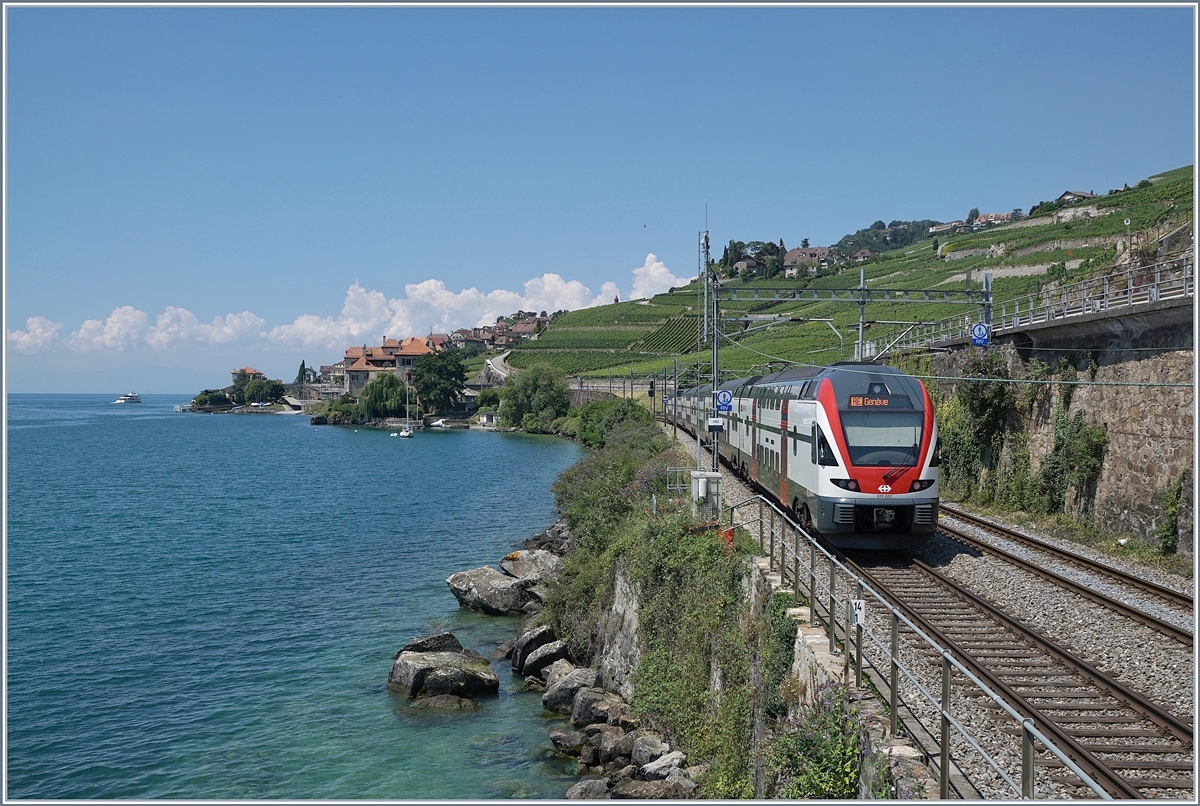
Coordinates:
1129	609
1168	596
1128	744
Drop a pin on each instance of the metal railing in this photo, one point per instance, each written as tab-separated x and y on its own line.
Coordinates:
783	541
1172	279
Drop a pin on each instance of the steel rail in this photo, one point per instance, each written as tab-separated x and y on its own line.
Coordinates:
1129	611
1119	785
1174	597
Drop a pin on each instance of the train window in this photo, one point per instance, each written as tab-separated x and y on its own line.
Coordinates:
937	453
882	438
824	454
795	442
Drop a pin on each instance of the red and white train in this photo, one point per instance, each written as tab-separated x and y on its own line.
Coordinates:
851	449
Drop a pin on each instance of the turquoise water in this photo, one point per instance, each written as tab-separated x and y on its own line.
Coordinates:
207	606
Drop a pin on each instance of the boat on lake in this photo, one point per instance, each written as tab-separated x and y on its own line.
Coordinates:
132	397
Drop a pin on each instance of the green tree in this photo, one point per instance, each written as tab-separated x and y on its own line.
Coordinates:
238	393
804	243
488	397
262	391
540	391
300	373
383	396
439	379
971	216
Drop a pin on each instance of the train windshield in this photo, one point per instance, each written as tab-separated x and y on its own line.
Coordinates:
883	438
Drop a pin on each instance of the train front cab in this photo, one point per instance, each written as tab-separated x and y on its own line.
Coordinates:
870	479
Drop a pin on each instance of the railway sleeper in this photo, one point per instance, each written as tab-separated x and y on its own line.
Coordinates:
1139	783
1138	764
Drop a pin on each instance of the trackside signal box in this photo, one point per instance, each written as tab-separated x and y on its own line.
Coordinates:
706	495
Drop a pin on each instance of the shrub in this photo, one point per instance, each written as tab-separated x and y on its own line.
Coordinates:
819	749
540	391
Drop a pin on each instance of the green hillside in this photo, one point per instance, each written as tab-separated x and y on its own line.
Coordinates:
1044	250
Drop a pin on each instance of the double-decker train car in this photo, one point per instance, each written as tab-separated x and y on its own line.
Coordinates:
851	449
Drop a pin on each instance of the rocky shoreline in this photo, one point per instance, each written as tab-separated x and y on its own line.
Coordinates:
615	756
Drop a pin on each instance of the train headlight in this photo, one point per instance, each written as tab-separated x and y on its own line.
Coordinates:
921	484
846	484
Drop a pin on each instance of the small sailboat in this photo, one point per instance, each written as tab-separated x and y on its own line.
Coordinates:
405	432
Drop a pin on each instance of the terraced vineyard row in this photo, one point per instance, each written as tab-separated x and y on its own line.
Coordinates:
574	362
676	336
591	338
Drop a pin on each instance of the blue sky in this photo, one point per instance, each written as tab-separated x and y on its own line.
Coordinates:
191	190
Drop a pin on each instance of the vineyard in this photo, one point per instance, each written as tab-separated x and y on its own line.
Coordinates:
676	336
575	362
644	312
593	338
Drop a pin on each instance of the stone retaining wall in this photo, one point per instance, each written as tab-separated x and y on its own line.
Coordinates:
1150	429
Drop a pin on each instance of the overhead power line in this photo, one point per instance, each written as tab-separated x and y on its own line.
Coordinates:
1139	384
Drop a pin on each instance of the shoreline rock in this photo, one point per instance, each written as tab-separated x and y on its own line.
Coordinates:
437	665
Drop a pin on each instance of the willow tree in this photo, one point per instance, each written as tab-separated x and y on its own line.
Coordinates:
383	396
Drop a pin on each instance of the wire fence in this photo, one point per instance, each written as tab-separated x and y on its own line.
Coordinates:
828	587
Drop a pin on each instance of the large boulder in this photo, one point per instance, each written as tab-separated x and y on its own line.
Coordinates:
556	671
543	656
648	748
568	741
661	767
532	564
590	788
560	695
446	702
624	746
489	591
593	705
527	643
611	740
683	778
426	674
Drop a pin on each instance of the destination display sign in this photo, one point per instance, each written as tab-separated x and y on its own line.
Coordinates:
870	401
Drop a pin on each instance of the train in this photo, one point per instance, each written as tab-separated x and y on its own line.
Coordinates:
851	449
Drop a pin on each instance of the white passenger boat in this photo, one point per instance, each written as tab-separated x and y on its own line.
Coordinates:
132	397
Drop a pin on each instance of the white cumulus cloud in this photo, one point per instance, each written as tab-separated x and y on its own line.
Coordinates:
365	315
179	325
653	277
39	333
431	305
124	327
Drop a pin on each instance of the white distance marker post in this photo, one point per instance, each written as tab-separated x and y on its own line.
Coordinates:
858	612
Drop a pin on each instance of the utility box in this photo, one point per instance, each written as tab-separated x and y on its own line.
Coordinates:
706	495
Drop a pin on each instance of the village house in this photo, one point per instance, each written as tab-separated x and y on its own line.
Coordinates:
812	258
1071	196
524	329
253	374
333	373
749	264
363	363
949	226
862	255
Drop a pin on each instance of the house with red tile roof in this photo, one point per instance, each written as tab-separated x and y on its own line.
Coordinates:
251	371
